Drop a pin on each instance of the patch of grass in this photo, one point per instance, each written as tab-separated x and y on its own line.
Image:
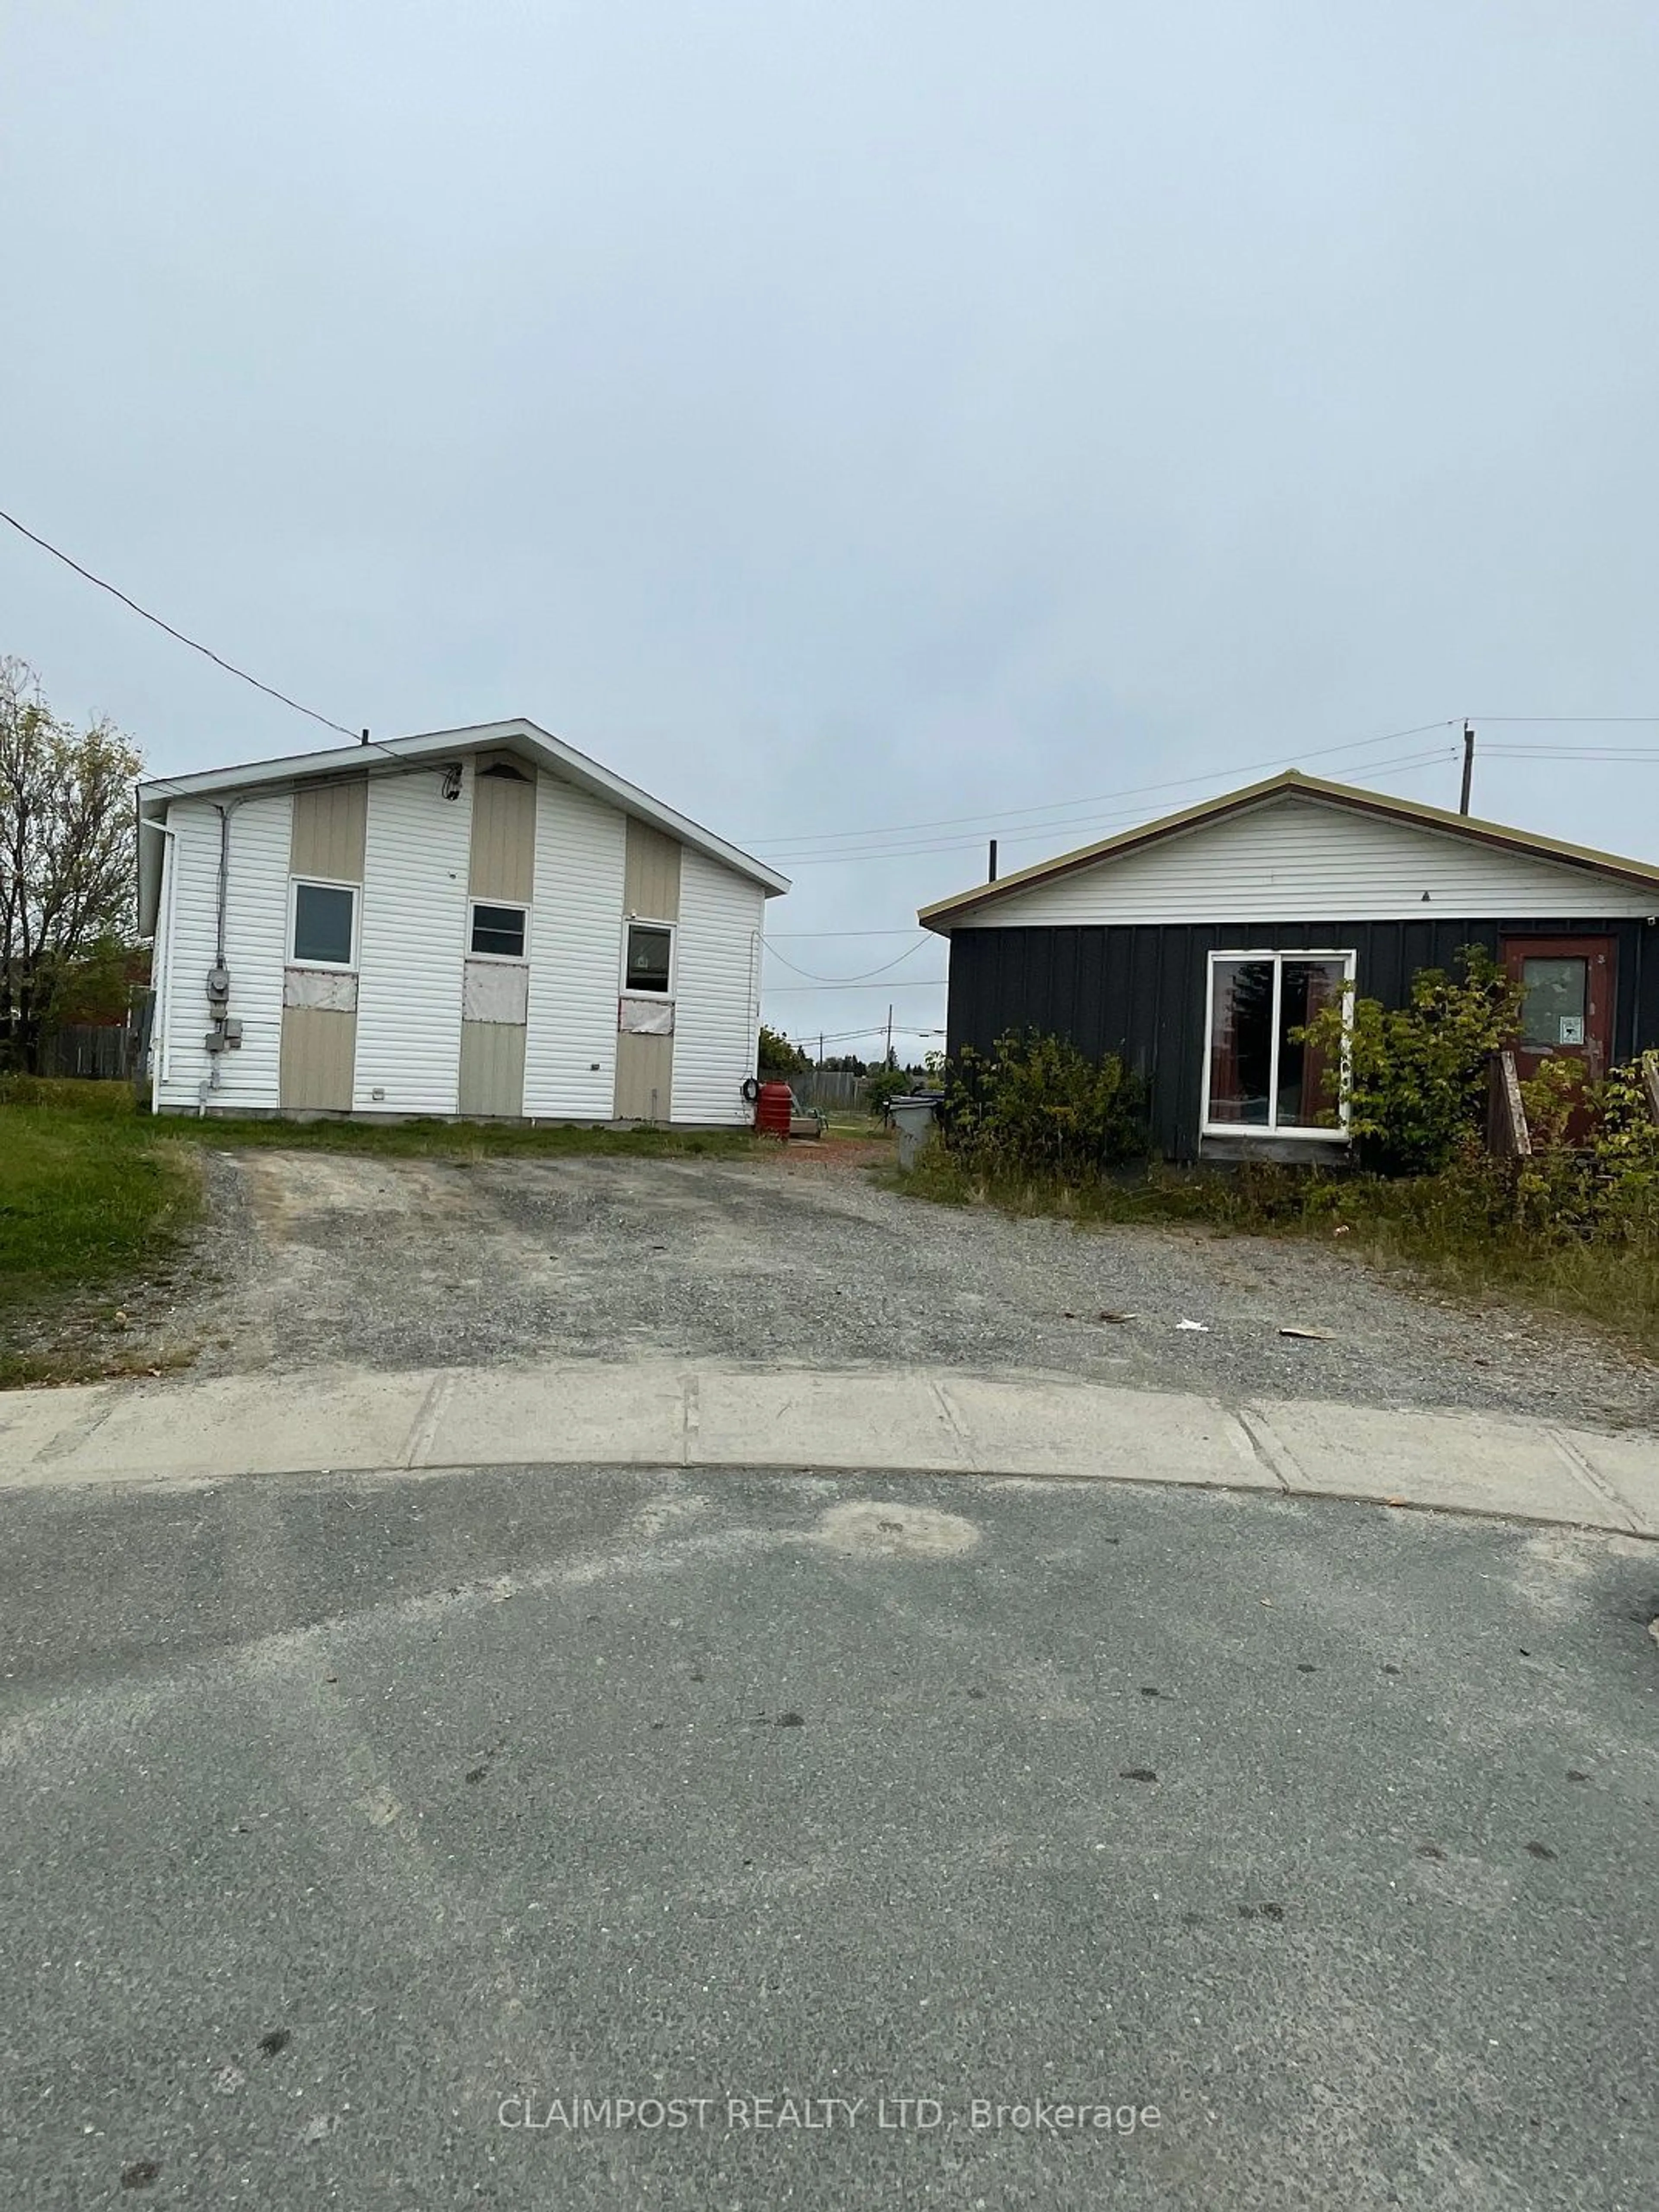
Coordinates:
1447	1230
434	1139
110	1107
107	1104
79	1363
88	1198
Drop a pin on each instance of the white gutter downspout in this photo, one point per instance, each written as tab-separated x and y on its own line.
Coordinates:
162	959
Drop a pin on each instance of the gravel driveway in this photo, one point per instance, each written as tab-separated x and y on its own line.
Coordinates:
392	1263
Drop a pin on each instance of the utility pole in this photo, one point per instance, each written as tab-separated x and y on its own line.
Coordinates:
888	1062
1468	766
820	1052
991	873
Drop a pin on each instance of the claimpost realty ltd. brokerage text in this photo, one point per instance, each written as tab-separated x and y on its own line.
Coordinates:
569	2114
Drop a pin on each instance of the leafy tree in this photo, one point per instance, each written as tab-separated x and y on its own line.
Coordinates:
67	864
1416	1076
98	986
778	1056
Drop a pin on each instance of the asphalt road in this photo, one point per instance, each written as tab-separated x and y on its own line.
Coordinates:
350	1831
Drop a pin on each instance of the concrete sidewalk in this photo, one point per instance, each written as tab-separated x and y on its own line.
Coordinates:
938	1420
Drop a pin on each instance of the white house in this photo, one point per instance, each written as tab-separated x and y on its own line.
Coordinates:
475	922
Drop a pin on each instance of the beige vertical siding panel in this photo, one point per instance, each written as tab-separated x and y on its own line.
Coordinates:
645	1078
319	1050
651	882
503	861
330	820
492	1068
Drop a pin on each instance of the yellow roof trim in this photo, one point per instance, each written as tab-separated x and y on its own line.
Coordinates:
943	912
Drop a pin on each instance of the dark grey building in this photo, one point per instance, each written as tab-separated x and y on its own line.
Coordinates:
1196	946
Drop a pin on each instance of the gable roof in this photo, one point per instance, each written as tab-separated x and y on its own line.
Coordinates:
943	914
392	756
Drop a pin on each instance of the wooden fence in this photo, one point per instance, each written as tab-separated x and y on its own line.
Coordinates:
101	1051
831	1089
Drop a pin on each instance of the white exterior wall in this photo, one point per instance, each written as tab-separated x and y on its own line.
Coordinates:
575	955
412	946
1302	859
716	991
256	926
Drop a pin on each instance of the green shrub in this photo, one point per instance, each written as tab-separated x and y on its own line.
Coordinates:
1416	1076
1593	1172
882	1087
1039	1108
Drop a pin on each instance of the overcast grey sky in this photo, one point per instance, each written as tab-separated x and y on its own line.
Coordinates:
850	415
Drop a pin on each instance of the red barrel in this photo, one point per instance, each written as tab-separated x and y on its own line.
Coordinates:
774	1110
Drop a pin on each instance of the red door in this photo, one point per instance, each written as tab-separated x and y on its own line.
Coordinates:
1567	1005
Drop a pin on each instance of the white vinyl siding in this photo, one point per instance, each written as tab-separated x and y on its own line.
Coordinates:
1302	859
256	927
410	946
570	1038
716	992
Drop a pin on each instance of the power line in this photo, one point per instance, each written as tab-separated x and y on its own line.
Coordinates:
1043	832
1631	756
1059	806
909	953
1047	832
194	644
1093	798
918	983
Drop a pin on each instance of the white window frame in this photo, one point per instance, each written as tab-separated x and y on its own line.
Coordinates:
325	883
502	959
650	922
1292	1133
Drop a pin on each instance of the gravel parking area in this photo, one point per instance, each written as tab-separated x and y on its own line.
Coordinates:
392	1263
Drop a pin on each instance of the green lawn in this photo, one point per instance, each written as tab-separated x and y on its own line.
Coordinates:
88	1204
105	1105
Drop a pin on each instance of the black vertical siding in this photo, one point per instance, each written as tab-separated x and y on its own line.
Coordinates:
1139	991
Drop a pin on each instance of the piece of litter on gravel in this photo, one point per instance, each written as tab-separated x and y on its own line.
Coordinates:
1203	1326
1313	1335
1116	1316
